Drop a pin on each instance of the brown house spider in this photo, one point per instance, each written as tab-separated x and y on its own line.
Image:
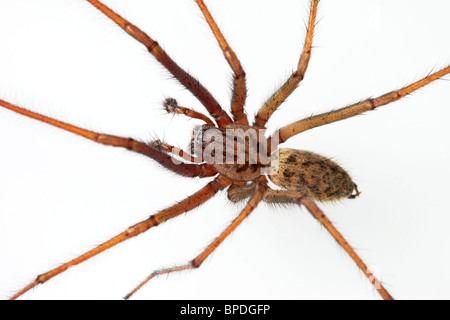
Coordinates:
76	214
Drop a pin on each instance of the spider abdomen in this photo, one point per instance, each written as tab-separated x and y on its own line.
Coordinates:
312	174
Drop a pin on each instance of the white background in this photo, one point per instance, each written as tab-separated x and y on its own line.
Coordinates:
61	194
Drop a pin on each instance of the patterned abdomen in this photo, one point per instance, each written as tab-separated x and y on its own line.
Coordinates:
312	174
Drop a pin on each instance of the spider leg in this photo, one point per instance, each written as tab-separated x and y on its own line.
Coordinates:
257	196
184	169
171	106
183	206
295	128
237	193
282	196
291	84
322	218
176	151
241	192
192	84
239	86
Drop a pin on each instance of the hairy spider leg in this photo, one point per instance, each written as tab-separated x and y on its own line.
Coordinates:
192	84
239	86
297	127
238	193
195	200
183	169
269	107
322	218
260	189
176	151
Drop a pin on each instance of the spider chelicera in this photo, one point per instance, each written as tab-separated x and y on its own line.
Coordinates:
95	1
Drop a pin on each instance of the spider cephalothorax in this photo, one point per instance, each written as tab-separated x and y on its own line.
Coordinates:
238	151
234	153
